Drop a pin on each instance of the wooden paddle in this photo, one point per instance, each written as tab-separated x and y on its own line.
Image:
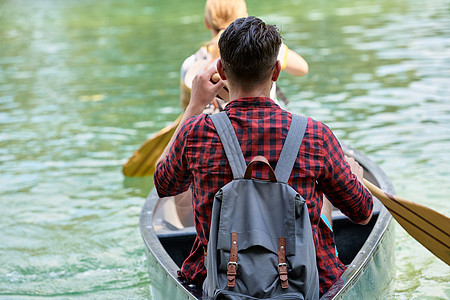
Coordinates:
427	226
143	160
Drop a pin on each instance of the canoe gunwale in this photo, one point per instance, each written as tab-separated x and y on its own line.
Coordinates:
362	260
373	243
152	243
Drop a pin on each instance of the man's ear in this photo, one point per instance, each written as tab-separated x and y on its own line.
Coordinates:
220	70
276	71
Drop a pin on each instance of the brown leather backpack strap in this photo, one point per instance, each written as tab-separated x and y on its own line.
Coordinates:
282	266
232	263
262	159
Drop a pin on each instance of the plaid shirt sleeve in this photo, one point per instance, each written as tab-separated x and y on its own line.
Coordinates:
172	175
340	185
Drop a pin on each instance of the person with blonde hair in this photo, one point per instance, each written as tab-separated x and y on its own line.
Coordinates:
218	15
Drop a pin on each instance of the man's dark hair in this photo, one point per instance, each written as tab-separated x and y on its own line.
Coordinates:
249	50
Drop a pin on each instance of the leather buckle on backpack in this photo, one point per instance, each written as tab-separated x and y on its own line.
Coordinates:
283	272
231	273
235	264
280	265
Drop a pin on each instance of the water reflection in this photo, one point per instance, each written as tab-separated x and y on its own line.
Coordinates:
83	84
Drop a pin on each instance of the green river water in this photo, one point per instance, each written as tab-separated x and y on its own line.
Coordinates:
83	83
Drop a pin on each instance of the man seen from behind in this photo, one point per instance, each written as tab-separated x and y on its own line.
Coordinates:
196	158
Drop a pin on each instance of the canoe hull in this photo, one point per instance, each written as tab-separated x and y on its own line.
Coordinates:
164	283
370	276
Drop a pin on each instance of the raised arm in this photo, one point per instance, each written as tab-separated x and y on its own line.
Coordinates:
203	92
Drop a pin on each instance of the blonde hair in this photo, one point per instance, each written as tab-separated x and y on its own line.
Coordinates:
221	13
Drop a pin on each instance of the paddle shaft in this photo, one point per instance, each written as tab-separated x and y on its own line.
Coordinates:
427	226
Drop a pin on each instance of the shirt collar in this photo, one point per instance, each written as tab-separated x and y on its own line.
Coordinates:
250	102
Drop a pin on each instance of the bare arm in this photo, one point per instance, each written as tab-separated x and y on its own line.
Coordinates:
295	64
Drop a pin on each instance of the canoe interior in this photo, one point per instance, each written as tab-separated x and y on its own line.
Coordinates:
349	238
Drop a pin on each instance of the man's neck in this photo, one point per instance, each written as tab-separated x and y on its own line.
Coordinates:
260	91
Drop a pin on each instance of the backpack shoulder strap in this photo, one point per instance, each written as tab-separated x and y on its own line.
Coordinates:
291	147
230	143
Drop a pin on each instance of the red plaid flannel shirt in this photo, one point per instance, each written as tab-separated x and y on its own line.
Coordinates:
197	158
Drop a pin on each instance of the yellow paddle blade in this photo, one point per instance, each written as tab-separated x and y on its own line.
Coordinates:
427	226
143	160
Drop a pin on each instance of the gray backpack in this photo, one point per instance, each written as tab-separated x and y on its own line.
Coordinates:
260	243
